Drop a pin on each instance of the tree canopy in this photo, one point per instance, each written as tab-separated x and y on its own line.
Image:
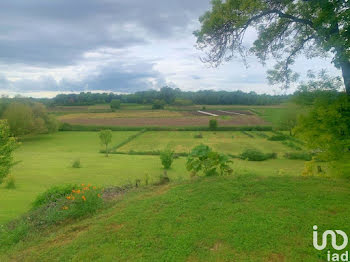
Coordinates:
286	29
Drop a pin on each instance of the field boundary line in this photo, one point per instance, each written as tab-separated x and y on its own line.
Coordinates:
128	140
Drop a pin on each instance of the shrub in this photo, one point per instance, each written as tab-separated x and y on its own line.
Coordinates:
76	164
158	104
7	146
279	137
115	104
298	155
256	155
203	159
10	182
167	158
200	135
213	124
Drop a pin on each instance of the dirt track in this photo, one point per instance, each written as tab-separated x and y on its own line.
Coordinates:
237	120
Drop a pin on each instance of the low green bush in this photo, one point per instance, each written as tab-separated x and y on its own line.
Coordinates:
298	155
279	137
204	160
256	155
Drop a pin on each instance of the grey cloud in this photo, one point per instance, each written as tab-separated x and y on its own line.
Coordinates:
110	78
58	32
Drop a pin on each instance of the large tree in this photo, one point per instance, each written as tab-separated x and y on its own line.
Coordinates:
286	29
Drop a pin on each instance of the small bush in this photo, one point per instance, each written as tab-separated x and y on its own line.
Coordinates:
256	155
277	138
167	158
200	135
10	182
298	155
203	159
76	163
213	124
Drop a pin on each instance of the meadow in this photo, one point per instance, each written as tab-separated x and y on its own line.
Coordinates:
47	160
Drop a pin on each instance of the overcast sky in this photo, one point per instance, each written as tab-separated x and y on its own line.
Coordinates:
59	46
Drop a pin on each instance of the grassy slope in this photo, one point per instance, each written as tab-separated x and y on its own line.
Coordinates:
245	218
46	161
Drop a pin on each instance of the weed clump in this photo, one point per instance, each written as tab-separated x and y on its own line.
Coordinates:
76	163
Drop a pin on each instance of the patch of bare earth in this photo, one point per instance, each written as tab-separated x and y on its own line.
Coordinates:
237	120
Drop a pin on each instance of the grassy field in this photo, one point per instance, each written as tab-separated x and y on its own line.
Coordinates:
46	160
235	218
102	115
227	142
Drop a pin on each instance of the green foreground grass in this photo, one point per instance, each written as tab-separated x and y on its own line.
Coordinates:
235	218
47	160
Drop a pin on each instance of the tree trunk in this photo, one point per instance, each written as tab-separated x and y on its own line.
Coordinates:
106	150
345	67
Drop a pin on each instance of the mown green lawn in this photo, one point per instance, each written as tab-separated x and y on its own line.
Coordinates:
233	142
234	218
46	160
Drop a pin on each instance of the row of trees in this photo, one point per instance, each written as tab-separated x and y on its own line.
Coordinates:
26	117
169	95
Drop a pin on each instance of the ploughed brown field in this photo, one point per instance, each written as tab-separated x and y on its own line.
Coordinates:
193	118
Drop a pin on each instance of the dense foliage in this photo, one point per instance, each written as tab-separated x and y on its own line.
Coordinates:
326	128
7	146
285	29
170	96
29	118
203	159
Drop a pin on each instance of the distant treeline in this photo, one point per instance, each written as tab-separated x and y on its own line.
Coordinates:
170	96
